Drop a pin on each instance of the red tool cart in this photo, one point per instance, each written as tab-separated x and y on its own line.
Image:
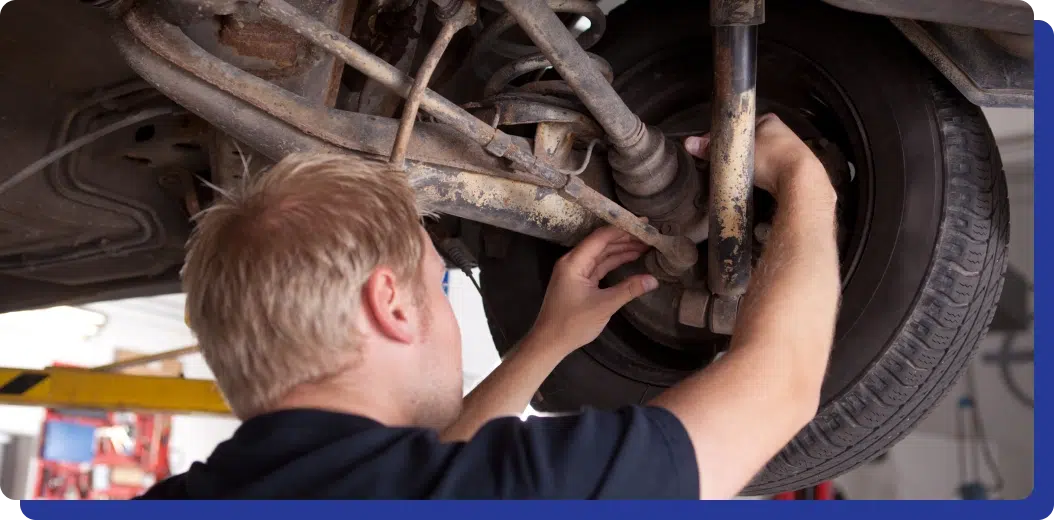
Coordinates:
99	454
86	454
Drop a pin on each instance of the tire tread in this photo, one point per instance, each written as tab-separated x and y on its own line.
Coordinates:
941	335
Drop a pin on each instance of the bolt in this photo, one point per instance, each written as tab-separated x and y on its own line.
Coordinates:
670	228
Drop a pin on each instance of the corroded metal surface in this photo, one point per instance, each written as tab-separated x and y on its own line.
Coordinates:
732	159
463	17
264	40
495	142
678	253
737	12
501	79
654	179
553	143
256	44
393	34
342	129
517	206
723	312
693	307
546	30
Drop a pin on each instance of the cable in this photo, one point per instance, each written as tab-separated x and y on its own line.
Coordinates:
80	142
458	255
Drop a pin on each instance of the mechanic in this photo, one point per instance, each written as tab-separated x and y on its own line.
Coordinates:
317	299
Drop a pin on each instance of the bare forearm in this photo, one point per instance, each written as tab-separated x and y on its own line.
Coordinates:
509	388
790	311
743	408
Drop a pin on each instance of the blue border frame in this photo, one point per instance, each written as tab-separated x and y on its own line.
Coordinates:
1038	505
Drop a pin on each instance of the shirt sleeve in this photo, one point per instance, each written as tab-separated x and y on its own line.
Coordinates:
635	452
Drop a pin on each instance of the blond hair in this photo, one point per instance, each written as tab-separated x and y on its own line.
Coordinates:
274	271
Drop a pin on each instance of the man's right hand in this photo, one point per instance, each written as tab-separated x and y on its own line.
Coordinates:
779	154
745	406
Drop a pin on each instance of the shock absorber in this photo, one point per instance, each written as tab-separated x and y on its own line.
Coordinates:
733	119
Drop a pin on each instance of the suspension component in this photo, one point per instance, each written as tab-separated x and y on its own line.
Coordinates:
494	141
656	177
456	15
732	150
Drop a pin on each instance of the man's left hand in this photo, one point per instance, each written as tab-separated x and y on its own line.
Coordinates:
576	309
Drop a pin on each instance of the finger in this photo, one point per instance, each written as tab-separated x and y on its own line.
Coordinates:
585	253
621	247
611	251
613	262
764	118
629	290
698	146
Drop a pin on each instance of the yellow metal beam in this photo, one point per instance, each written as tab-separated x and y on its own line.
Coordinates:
78	388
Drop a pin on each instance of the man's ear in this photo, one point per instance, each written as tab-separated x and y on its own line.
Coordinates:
388	305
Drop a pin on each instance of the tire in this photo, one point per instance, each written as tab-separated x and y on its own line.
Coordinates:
923	287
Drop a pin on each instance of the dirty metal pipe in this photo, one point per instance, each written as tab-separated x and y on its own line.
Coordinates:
524	208
732	145
268	134
350	130
483	197
463	17
377	69
678	253
495	141
655	176
546	30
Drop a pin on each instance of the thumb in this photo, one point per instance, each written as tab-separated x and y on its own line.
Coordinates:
698	146
629	290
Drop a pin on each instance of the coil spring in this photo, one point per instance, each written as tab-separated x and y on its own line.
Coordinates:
527	59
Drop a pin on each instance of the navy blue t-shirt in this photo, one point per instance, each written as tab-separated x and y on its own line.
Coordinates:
635	452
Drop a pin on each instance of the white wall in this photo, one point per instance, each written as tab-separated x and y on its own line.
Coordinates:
38	339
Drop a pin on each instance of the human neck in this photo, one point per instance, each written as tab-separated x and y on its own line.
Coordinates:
337	394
